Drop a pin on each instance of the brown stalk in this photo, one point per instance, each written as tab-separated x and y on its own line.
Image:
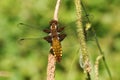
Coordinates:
51	67
51	57
56	10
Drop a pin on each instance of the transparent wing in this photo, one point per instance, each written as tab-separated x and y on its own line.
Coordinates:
31	36
29	30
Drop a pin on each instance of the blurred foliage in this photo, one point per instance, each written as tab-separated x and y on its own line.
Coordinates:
28	61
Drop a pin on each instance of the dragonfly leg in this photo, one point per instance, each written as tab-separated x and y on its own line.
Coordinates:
51	51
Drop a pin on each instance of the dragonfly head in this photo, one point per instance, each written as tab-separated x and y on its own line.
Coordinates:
53	27
53	24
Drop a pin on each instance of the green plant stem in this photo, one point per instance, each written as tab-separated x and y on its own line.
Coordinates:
81	37
102	53
97	42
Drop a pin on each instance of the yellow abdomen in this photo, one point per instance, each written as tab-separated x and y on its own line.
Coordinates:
57	49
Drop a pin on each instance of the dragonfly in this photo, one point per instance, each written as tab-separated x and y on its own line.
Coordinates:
54	38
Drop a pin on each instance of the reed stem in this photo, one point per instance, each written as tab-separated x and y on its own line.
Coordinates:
81	36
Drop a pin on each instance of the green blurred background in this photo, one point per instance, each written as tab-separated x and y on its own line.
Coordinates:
28	60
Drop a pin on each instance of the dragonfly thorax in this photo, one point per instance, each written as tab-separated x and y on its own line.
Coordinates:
53	26
53	32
